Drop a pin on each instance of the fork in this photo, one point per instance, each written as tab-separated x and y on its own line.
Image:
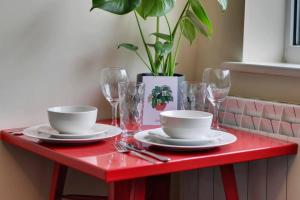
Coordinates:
16	131
122	149
143	151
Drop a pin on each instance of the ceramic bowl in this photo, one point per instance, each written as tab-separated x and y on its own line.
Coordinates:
72	119
186	124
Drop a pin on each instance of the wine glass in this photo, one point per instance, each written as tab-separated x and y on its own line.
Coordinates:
109	79
217	88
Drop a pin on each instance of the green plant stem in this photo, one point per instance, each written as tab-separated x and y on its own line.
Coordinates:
181	15
145	45
173	61
165	67
177	46
156	40
170	67
157	28
145	63
169	27
168	60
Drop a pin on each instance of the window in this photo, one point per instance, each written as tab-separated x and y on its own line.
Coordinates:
292	47
296	23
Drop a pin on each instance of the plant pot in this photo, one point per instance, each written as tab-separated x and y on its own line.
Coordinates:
161	106
161	93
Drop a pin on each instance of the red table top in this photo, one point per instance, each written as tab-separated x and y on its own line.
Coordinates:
102	161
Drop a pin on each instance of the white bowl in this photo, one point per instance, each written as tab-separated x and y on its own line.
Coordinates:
185	124
72	119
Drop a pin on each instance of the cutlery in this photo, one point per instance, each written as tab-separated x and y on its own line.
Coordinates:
143	151
122	149
16	131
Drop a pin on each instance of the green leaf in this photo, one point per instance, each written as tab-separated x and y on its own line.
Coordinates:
162	36
158	61
199	26
162	48
223	4
119	7
188	29
200	12
128	46
155	8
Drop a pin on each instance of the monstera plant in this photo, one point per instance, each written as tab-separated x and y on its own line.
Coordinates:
162	52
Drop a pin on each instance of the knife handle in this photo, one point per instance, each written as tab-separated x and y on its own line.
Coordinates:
154	155
137	154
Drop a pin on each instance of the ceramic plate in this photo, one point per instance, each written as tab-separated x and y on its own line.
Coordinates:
95	130
148	140
208	138
33	132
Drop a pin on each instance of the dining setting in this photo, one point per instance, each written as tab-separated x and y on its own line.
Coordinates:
126	153
149	100
188	129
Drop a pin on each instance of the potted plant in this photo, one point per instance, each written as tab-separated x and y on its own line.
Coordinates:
160	96
161	48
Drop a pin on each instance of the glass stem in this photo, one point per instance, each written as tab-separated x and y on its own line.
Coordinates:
215	124
114	121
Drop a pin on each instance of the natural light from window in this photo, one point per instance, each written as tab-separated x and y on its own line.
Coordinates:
292	47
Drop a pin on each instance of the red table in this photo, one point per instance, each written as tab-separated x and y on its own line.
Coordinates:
131	178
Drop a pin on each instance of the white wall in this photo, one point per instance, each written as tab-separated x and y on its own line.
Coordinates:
50	54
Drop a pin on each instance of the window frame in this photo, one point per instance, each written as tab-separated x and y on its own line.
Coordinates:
292	52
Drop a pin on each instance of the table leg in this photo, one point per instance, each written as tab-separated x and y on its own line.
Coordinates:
58	181
229	182
150	188
128	190
158	187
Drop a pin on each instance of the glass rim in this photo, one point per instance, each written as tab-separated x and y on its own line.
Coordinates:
216	68
194	82
113	68
136	83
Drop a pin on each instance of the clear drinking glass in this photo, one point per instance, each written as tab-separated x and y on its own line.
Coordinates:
217	88
193	95
131	106
109	79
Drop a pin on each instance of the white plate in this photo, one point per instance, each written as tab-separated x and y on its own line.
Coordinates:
95	130
34	133
210	137
224	139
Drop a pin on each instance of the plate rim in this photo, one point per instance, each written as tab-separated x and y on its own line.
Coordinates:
234	139
188	140
74	140
69	136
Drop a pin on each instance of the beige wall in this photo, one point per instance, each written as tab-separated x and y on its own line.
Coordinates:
51	52
227	45
227	41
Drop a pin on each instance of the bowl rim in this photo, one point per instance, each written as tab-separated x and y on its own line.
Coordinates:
167	114
89	109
